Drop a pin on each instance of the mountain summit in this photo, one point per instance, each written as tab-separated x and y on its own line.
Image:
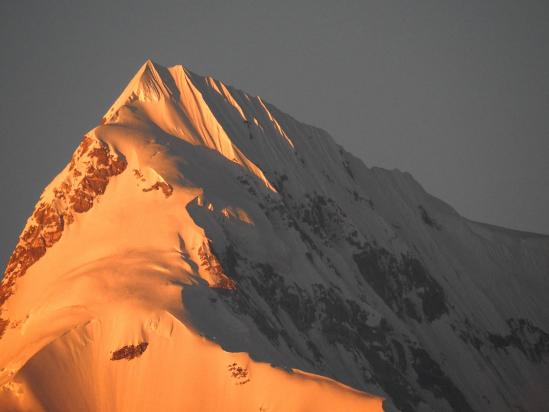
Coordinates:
204	251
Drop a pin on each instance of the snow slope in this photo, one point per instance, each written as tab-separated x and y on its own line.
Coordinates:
204	251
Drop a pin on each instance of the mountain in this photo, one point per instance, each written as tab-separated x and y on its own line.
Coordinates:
204	251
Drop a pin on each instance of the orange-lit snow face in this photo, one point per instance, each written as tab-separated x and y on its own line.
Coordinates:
135	360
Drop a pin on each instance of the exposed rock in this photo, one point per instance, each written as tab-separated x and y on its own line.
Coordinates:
531	340
129	351
90	169
322	215
138	175
3	326
211	264
343	323
401	282
239	373
166	188
428	219
432	378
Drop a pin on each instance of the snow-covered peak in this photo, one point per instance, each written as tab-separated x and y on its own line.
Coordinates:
200	235
146	85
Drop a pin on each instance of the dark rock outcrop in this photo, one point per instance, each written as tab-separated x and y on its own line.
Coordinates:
130	351
90	169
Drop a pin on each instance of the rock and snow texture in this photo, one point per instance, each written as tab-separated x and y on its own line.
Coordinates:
204	251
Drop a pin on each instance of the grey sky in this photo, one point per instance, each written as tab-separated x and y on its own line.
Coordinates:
456	92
